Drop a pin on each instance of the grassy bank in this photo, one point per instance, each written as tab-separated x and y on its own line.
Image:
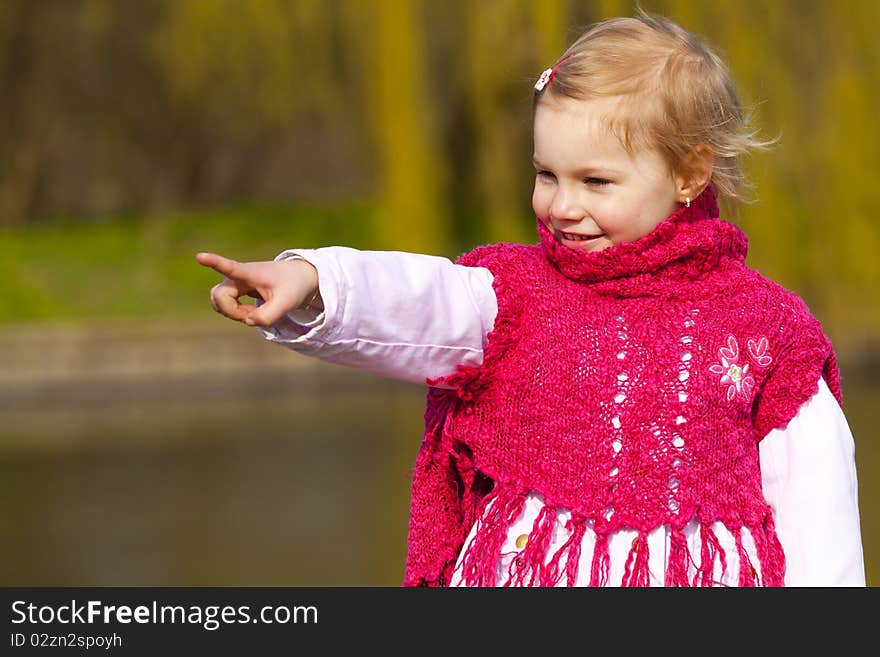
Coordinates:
134	267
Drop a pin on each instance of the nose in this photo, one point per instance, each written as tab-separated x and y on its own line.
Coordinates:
564	206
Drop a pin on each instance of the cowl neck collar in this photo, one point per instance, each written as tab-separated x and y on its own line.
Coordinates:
688	244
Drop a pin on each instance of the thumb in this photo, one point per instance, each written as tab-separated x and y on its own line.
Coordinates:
267	313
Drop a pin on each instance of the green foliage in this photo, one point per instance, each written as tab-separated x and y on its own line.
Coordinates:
225	57
412	208
422	107
145	267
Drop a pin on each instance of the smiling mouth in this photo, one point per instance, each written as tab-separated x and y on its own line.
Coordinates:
575	237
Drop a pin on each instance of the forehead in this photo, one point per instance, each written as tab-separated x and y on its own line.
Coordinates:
568	126
573	135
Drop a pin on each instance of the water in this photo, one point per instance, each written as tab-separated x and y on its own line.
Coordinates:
278	481
309	490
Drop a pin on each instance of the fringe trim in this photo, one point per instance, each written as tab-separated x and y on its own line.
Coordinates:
601	561
710	550
535	565
529	562
679	557
636	571
435	519
748	576
480	560
571	549
770	553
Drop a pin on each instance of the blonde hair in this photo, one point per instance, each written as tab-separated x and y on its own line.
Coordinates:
675	94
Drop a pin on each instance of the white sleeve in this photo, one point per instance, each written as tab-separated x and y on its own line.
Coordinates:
406	316
808	472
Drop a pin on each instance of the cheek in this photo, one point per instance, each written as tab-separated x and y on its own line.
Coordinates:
646	219
539	203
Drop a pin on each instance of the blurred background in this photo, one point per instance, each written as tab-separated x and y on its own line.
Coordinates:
145	440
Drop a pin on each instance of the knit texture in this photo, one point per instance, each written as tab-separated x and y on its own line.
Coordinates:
631	386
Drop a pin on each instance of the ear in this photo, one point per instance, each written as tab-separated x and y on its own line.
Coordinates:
698	164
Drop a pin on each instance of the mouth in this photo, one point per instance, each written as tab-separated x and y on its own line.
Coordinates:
577	240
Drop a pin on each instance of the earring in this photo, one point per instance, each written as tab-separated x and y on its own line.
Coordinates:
687	201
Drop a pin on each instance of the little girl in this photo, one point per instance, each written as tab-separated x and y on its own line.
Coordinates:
623	402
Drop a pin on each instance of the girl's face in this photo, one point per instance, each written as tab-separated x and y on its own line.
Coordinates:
589	192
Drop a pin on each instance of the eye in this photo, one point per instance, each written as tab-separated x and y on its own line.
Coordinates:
544	174
596	181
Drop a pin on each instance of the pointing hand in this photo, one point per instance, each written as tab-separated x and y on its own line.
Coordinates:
282	286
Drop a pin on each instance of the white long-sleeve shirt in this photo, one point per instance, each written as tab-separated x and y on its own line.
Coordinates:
412	317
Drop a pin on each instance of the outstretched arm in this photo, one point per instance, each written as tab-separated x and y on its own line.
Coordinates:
403	315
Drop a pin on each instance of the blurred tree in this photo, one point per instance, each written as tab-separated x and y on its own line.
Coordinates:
496	32
424	109
412	214
551	21
611	8
28	103
845	174
229	70
228	58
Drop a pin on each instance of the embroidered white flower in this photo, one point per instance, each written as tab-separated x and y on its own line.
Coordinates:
543	80
735	374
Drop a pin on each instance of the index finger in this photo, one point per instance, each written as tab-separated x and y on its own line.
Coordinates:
218	263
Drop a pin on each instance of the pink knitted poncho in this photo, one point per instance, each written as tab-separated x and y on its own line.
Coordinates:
631	386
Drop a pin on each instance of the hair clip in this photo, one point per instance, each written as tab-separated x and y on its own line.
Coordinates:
547	75
543	80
